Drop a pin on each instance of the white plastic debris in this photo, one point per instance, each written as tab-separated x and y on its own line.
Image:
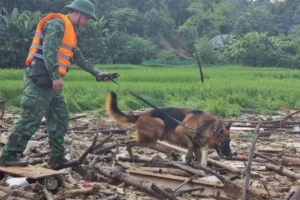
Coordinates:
17	182
296	128
211	178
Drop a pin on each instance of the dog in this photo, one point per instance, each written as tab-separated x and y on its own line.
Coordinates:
153	125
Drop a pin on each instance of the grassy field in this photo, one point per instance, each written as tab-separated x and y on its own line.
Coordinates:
226	90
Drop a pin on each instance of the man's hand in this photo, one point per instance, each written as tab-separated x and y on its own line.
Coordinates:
58	85
104	77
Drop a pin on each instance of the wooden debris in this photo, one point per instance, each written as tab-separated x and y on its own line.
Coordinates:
31	171
210	161
20	193
47	193
286	159
265	157
186	168
176	172
118	176
235	191
223	166
283	171
294	193
85	191
248	168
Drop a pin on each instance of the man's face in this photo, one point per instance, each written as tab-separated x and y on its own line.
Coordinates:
81	19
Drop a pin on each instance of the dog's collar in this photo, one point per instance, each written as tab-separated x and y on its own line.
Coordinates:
200	130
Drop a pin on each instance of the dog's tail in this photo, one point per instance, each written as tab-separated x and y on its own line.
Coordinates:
114	112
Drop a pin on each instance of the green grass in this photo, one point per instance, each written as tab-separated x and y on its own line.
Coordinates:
226	90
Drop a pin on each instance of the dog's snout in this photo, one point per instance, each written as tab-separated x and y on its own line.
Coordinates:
225	149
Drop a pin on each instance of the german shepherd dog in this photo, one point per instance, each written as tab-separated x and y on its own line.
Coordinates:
153	125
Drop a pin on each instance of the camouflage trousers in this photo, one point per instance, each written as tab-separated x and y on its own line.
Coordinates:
37	103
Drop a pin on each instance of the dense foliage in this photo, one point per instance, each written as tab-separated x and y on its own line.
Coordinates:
263	33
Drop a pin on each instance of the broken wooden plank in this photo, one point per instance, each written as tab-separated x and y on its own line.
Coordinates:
20	193
283	171
207	188
177	178
268	149
223	166
32	172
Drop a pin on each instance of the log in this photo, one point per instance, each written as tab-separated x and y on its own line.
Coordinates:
266	158
283	171
85	191
47	194
294	193
291	160
72	181
186	168
20	193
176	172
223	166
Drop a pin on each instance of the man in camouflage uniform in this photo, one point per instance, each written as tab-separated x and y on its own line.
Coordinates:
38	102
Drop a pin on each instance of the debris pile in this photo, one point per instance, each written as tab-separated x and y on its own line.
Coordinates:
267	162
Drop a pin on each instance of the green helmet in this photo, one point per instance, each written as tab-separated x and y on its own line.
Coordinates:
84	6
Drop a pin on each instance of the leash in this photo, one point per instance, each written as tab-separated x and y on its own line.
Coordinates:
193	130
199	65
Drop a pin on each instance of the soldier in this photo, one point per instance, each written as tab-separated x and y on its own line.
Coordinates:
50	55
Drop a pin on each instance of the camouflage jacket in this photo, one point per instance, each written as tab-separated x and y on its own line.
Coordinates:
53	32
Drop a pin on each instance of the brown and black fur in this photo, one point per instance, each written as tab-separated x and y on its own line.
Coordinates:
153	125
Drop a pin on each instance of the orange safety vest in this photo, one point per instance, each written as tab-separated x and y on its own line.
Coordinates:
66	49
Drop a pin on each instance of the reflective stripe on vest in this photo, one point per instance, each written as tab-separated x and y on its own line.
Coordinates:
65	51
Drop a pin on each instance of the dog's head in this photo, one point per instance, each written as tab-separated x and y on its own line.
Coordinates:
221	139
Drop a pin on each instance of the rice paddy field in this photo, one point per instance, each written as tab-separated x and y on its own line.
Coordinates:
226	90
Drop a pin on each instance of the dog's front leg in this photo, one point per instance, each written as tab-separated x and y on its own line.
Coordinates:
190	147
129	146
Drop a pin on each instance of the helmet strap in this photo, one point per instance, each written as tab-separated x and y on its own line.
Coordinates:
78	20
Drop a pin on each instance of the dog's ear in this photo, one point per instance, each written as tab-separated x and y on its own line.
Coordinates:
228	126
218	128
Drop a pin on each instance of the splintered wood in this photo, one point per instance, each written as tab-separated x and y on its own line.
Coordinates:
30	172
